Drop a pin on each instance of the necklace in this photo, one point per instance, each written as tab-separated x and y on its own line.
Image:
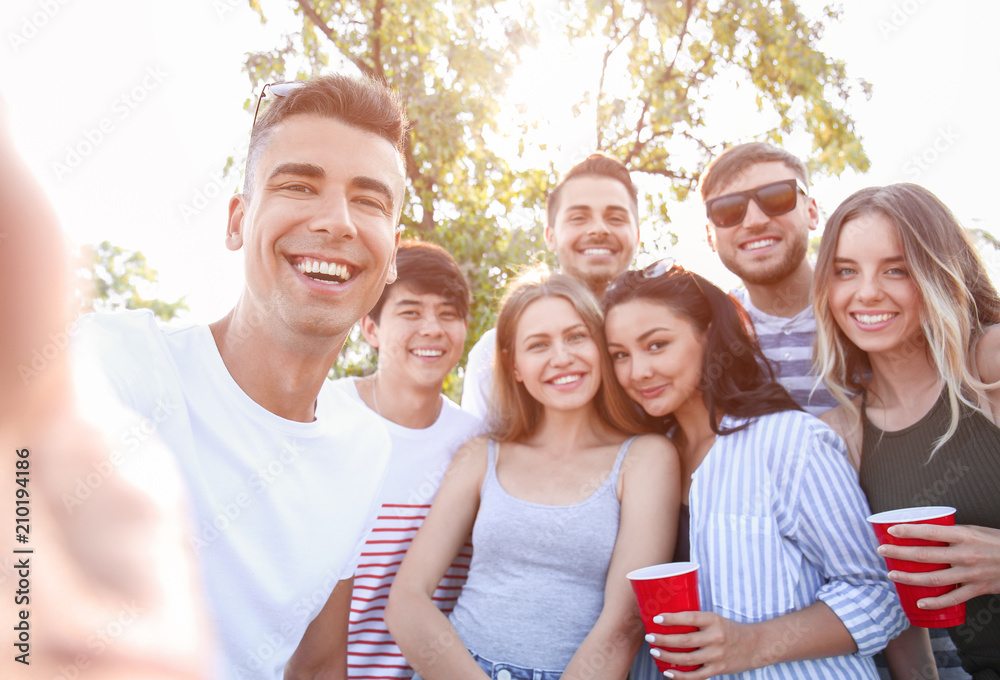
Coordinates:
375	393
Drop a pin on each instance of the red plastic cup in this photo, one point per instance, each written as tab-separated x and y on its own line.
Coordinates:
908	594
669	588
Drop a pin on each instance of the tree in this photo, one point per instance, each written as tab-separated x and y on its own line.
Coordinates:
669	59
110	277
450	61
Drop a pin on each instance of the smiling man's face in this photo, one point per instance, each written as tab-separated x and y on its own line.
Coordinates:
595	233
762	249
319	232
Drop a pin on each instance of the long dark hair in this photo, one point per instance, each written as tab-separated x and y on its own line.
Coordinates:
736	378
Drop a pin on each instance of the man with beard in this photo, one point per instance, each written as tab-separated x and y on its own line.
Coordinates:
592	225
760	215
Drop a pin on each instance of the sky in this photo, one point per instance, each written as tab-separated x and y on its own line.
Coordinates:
126	112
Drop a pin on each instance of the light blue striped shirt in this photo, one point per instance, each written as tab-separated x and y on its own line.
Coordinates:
788	344
778	523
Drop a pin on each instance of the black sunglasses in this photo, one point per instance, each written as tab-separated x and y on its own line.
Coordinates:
773	199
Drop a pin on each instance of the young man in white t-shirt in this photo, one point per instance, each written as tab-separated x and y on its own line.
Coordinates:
418	328
283	470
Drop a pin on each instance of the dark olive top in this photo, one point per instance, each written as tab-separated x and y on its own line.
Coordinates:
898	471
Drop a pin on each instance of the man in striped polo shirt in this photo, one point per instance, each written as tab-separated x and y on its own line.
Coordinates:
418	328
760	216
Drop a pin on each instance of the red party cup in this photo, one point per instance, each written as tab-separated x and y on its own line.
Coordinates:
666	588
908	594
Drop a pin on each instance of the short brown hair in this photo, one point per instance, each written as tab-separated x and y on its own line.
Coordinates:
427	268
362	102
736	159
597	164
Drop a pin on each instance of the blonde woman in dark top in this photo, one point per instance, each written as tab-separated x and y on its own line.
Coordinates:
908	344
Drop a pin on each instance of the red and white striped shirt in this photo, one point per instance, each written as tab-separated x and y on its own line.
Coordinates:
372	653
417	465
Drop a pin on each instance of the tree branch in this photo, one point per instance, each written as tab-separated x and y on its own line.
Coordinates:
375	38
638	146
689	8
318	22
604	64
668	75
664	172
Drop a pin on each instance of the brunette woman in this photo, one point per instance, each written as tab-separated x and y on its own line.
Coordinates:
789	580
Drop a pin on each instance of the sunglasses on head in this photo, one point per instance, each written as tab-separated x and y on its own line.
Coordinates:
660	268
773	199
655	270
278	90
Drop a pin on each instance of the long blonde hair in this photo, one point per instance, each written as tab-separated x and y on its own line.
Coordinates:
959	301
515	414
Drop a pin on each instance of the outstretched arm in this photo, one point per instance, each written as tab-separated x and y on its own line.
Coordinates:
33	296
123	552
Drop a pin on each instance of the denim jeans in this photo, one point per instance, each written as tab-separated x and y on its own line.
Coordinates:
506	671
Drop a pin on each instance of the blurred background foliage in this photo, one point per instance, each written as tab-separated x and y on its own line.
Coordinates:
451	61
651	105
110	278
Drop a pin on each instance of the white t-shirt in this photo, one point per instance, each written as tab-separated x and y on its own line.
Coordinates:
478	382
281	508
419	461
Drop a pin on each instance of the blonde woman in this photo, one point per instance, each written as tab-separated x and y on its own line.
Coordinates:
906	319
560	503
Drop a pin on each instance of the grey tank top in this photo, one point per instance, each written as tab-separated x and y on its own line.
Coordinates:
965	474
537	577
